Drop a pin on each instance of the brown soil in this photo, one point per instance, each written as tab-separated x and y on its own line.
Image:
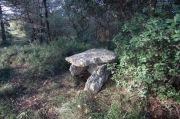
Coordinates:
157	109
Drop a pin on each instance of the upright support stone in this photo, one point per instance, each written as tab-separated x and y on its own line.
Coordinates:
75	71
97	79
91	68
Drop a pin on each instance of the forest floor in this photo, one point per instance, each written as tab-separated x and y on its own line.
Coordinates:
62	97
51	98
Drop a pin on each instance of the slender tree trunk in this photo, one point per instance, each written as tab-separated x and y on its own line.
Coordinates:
153	6
33	29
46	20
41	29
31	22
3	33
123	14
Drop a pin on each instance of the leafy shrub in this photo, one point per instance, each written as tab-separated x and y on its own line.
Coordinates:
149	51
72	47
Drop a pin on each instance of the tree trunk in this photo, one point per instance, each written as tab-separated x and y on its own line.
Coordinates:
3	35
33	36
153	6
46	20
41	29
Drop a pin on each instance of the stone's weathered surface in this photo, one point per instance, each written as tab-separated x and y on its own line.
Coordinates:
97	79
91	68
92	56
95	62
75	71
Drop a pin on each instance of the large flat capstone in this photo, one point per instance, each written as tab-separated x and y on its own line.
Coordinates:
95	62
92	56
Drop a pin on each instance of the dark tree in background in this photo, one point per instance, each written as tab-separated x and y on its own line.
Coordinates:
3	34
46	17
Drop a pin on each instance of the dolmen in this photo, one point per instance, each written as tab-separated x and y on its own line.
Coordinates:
95	62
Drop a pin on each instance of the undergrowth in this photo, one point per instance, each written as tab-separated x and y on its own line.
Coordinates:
149	56
43	61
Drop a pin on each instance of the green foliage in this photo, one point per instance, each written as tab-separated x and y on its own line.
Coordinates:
114	112
43	61
16	25
49	60
13	25
147	52
4	74
6	111
165	91
69	48
4	66
60	24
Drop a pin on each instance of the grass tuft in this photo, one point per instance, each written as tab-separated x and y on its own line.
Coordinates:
7	89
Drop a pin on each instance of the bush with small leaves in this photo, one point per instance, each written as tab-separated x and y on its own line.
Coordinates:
149	51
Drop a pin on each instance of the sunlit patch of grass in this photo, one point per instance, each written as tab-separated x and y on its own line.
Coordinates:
7	89
69	110
60	98
41	114
109	103
114	112
125	104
